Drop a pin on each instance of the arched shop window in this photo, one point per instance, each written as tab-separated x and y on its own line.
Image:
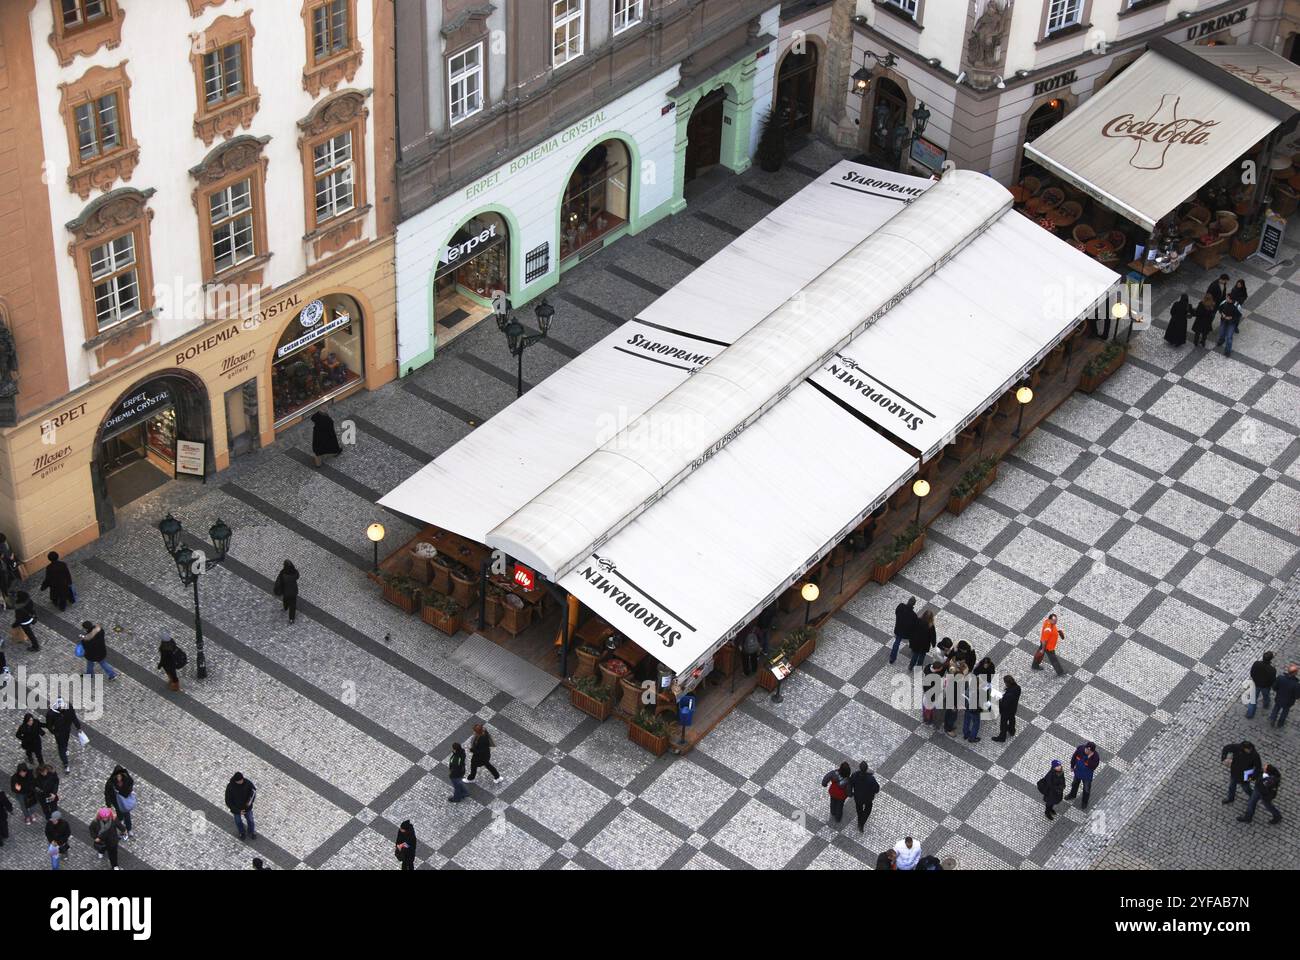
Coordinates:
318	356
596	198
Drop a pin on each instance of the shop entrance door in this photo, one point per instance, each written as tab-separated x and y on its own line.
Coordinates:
241	419
796	91
888	124
704	135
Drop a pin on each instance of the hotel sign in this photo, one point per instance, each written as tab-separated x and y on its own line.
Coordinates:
1055	83
1217	24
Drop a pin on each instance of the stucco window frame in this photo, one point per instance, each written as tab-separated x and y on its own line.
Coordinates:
1138	6
333	70
616	31
890	9
227	116
344	112
106	219
1083	24
242	158
484	78
101	172
584	19
72	42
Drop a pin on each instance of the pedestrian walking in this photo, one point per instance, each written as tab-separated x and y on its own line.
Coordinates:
1176	332
105	833
258	864
170	660
58	580
1285	690
405	845
30	733
286	588
1047	641
1052	787
1229	321
837	787
1262	677
60	720
46	784
6	808
1083	765
1266	782
93	646
863	787
1007	706
24	618
904	624
119	793
1242	760
24	787
324	439
58	834
480	753
1203	321
971	706
240	794
749	651
906	854
456	774
921	640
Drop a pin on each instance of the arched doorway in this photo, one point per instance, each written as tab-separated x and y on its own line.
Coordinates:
137	442
597	198
473	265
888	123
1040	121
704	134
319	355
796	90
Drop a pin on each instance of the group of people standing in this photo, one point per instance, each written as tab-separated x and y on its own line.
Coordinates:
1220	301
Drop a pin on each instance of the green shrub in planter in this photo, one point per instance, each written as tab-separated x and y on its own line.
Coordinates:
651	724
973	477
591	687
1098	364
771	143
796	639
443	603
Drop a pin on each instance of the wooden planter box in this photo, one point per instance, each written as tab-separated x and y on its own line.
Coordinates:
644	738
800	655
403	601
600	709
957	504
586	664
883	573
1090	382
1243	249
439	577
765	679
448	623
463	591
514	621
493	610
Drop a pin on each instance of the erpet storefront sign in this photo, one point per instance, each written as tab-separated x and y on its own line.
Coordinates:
50	426
1055	83
1218	23
455	253
539	152
146	402
1158	133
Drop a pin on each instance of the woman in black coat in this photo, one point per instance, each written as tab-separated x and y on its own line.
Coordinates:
324	441
170	660
47	788
119	796
1052	787
406	845
1007	707
30	733
24	788
286	588
1203	322
1238	293
25	616
58	580
1176	332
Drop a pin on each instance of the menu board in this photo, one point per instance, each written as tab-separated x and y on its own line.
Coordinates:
1270	237
189	457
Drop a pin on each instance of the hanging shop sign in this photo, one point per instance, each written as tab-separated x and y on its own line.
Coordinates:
340	320
524	577
312	314
1055	83
145	403
928	154
190	457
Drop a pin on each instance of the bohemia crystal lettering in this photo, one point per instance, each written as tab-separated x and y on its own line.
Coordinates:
1158	133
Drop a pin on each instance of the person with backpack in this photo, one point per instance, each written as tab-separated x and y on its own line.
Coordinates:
46	784
1083	765
60	720
1047	641
94	648
286	588
29	734
1262	677
170	660
863	787
480	753
1007	706
1052	787
119	794
838	787
904	625
105	832
1267	781
58	834
24	618
456	774
240	794
406	845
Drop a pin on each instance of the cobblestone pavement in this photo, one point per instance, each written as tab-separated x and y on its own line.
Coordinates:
1159	516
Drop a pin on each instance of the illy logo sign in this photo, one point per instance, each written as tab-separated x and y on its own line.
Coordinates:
1158	132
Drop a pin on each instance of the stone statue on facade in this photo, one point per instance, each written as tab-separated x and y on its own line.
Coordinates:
985	43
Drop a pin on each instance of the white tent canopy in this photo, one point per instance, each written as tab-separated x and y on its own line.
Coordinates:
1156	134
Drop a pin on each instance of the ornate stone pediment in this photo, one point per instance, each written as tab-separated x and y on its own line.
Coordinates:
111	212
234	155
456	14
338	111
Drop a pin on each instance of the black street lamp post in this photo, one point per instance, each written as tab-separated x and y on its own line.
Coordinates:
517	336
190	567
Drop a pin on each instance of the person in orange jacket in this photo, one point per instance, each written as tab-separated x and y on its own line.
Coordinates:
1047	645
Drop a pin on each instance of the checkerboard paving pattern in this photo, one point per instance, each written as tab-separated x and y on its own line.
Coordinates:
1157	516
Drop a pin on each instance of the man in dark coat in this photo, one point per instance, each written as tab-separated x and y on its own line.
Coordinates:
58	833
904	624
324	441
1229	320
1266	783
1052	787
921	639
25	617
864	788
1083	765
30	734
286	588
1285	690
1218	290
58	580
1240	759
1262	675
60	720
405	845
95	647
1006	708
240	794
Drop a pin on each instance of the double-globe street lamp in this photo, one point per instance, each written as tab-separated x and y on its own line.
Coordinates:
518	337
191	565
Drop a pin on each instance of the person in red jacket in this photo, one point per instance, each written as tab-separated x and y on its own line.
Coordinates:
1047	645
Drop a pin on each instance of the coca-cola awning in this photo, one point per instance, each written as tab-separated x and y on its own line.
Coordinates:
1168	124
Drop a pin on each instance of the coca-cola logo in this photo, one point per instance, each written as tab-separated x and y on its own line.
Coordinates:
1156	134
